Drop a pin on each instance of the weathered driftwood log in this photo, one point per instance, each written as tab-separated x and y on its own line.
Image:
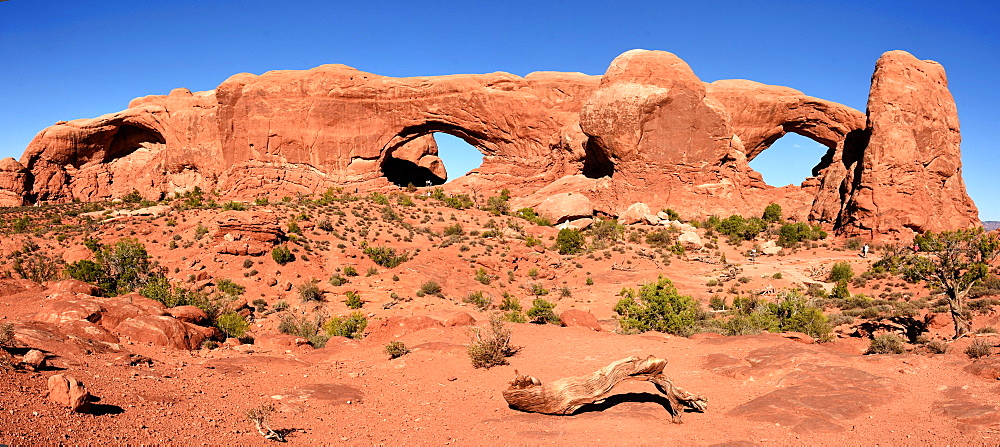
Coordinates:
565	396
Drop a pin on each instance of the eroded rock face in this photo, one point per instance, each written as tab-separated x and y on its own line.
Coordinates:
648	130
247	232
911	171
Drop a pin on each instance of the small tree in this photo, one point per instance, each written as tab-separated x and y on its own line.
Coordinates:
954	262
772	213
569	241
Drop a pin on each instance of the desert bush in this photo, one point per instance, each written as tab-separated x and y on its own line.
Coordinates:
497	205
396	349
337	280
6	334
853	244
657	307
482	276
232	324
937	347
886	344
542	312
841	271
454	230
978	349
739	229
606	230
478	299
235	206
282	255
530	215
325	225
229	288
772	213
569	241
349	270
351	326
777	276
430	288
305	327
33	264
491	347
712	282
386	256
538	290
791	312
717	302
353	300
660	238
309	291
791	234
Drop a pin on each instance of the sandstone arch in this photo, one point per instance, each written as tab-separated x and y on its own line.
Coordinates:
648	130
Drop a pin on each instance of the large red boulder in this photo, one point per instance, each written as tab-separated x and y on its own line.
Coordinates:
247	232
65	390
581	318
161	331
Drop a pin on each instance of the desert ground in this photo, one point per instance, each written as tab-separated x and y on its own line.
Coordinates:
159	375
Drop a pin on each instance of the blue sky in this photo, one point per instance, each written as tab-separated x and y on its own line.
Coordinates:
65	60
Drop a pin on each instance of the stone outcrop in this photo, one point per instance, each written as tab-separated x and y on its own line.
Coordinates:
648	130
910	174
247	232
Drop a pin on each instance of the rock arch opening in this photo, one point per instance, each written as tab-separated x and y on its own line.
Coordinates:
790	159
128	139
418	155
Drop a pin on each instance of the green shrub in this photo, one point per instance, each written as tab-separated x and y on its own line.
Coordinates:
349	270
120	268
606	230
478	299
937	347
282	255
235	206
853	244
886	344
482	276
538	290
430	288
530	215
841	271
510	302
671	214
303	326
791	234
309	291
352	326
337	280
542	312
569	241
491	347
740	229
396	349
497	205
229	288
657	307
660	238
386	256
772	213
232	324
353	300
454	230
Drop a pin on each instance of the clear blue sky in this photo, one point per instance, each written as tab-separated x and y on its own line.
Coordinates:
64	60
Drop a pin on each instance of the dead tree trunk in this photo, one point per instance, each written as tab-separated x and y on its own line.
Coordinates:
565	396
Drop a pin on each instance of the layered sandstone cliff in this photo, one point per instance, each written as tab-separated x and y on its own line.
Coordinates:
648	130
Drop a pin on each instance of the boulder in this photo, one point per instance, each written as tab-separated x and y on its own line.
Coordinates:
566	206
635	213
247	233
458	319
65	390
280	342
69	310
15	182
75	286
34	360
582	318
690	240
189	314
161	331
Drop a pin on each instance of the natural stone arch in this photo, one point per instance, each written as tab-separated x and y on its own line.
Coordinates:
409	158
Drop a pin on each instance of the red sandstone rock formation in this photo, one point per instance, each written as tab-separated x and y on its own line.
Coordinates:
911	171
648	131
